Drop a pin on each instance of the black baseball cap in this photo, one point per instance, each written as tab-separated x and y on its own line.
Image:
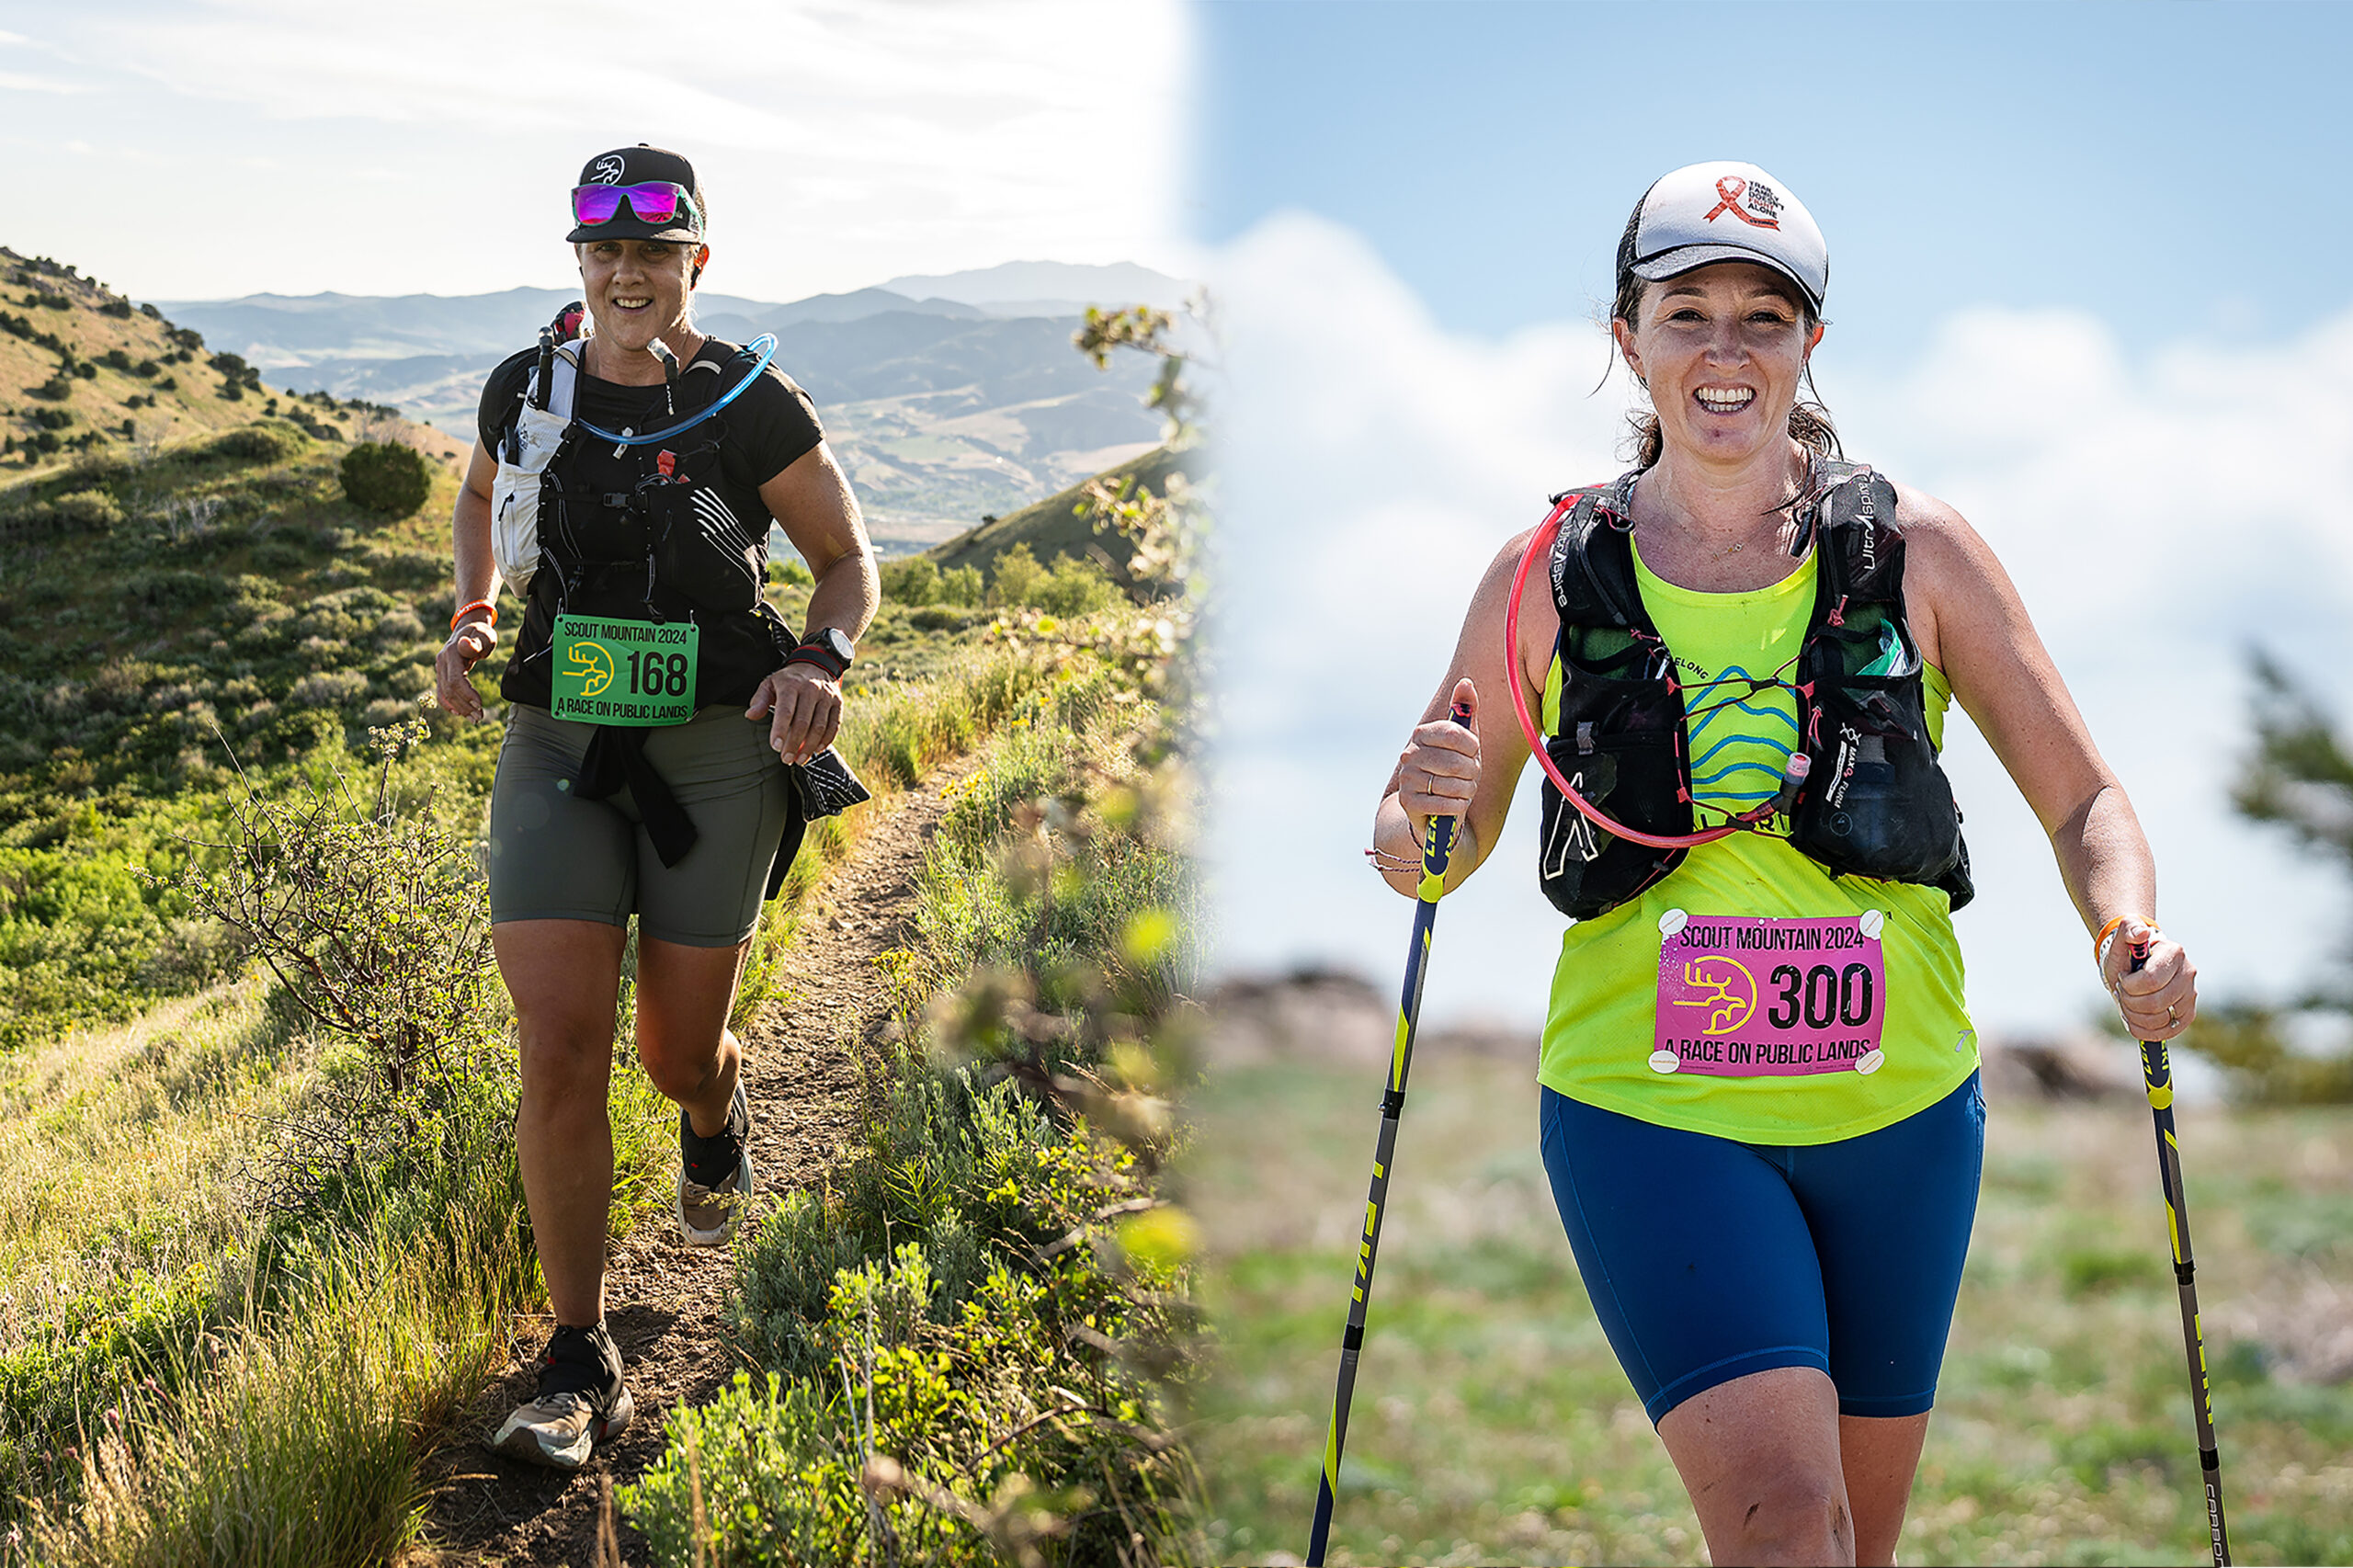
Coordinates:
639	166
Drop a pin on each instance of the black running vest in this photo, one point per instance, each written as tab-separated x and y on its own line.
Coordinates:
647	533
1875	803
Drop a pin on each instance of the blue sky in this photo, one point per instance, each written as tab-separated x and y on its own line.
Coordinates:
2092	282
2177	168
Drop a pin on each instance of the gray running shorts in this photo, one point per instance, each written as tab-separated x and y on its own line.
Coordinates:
554	856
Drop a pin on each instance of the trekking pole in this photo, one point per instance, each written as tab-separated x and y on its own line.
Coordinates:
1439	845
2159	1073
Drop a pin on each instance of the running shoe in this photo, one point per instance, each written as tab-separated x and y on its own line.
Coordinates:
581	1402
715	1175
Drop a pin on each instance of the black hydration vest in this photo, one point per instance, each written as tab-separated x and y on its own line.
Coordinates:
646	533
1875	803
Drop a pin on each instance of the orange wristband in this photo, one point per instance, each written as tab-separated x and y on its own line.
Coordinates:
466	609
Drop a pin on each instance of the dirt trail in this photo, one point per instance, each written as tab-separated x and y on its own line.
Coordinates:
665	1301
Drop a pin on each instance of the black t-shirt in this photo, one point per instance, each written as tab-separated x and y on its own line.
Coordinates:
767	430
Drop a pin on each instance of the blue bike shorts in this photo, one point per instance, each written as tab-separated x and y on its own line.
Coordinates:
1707	1259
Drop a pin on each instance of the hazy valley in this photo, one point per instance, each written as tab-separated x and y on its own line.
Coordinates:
949	398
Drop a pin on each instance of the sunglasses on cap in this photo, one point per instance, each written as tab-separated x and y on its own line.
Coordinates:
655	201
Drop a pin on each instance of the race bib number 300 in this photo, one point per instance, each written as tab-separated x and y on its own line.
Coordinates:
1743	997
625	671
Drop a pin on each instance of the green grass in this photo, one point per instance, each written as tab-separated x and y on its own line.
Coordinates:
292	1437
1492	1423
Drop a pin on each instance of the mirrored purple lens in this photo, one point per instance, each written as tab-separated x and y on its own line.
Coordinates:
596	203
654	202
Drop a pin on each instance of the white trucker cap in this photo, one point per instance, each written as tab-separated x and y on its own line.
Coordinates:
1723	212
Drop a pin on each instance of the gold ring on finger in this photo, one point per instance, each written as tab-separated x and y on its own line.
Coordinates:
2171	1016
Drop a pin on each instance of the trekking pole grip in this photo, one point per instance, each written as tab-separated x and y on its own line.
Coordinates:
1438	848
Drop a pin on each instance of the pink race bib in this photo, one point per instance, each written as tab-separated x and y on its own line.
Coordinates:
1745	997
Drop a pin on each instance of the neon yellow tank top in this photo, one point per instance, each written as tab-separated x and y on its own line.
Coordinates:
1602	1024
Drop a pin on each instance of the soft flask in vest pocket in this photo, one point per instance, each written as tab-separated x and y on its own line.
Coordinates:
1877	804
1621	747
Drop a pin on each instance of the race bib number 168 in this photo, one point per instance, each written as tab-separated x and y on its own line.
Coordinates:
625	671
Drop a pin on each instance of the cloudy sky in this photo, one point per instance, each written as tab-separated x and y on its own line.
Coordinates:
2090	283
185	149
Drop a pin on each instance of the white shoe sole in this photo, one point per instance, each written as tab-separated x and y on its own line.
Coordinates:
745	1185
519	1439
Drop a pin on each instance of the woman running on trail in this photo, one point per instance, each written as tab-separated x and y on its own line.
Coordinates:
1761	1109
659	714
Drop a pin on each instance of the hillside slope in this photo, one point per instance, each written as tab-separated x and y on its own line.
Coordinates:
1057	526
82	369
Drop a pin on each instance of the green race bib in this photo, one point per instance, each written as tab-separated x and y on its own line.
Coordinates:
625	671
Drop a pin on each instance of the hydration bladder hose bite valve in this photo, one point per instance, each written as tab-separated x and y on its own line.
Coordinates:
1794	778
547	369
661	351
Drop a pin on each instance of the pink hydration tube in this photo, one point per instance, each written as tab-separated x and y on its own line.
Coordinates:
1536	544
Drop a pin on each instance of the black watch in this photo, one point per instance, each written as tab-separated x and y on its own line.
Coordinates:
829	649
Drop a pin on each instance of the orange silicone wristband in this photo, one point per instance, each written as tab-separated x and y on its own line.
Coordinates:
466	609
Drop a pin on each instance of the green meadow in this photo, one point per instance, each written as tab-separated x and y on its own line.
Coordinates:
1492	1423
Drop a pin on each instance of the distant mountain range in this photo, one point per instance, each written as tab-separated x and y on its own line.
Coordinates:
948	397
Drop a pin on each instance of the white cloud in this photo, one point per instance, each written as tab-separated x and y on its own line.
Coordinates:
2156	516
17	82
841	142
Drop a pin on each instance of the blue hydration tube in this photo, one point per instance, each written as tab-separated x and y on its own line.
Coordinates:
765	343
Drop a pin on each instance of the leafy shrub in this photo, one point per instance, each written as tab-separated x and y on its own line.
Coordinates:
386	478
911	580
373	924
926	1453
328	689
1017	579
264	443
948	1165
944	617
91	511
175	591
792	570
960	585
1075	586
1070	585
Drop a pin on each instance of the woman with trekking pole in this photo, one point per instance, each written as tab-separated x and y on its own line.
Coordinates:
1761	1109
666	735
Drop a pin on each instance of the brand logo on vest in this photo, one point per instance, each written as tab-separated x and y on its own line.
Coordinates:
1571	832
1764	208
607	170
1867	518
